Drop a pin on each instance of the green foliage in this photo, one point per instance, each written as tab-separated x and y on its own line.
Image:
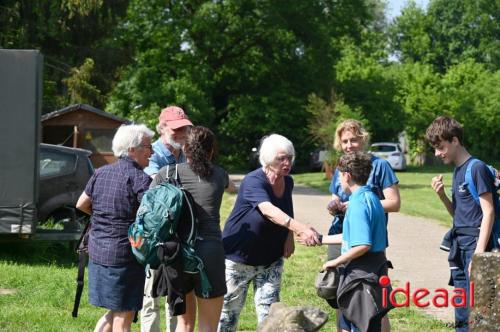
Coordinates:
324	119
67	32
450	32
80	89
471	94
420	96
367	85
248	68
236	64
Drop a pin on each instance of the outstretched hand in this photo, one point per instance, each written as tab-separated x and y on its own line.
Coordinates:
309	237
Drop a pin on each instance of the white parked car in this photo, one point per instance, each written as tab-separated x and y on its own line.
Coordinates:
391	152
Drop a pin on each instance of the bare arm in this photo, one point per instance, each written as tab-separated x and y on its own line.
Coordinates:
275	215
84	204
353	253
438	186
231	187
332	239
486	202
392	200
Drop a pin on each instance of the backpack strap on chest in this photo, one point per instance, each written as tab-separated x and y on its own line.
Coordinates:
470	181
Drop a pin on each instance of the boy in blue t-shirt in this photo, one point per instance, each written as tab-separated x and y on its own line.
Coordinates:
472	223
364	228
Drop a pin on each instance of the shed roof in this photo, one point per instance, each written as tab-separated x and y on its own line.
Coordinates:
85	107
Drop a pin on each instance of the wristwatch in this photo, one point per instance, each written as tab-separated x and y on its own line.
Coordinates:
287	221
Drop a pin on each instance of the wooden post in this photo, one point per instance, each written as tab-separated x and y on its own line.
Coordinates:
75	136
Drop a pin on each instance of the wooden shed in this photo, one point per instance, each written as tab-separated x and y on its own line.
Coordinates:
83	126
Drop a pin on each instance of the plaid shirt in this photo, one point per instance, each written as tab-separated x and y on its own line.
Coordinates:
115	191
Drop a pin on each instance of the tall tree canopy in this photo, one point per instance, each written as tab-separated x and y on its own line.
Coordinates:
449	32
67	32
243	67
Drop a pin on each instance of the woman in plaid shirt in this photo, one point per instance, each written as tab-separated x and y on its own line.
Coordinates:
112	197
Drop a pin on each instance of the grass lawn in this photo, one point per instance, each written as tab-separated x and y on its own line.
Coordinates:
43	275
417	196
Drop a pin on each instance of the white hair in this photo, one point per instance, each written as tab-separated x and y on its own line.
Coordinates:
129	136
270	147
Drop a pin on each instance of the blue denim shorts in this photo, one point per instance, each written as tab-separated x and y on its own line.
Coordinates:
116	288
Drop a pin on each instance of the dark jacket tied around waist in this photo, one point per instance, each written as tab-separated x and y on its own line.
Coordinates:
360	294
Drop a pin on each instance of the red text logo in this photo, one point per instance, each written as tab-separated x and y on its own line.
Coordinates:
422	297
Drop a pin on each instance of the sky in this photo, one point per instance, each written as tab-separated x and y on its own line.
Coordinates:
394	6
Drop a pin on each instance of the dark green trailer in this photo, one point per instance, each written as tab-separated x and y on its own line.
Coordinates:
24	175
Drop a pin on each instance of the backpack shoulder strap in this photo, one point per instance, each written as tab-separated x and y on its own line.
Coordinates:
470	181
82	250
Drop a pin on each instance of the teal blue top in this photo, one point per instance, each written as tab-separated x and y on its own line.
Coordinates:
364	222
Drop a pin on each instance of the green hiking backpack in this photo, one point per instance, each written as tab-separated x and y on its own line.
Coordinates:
167	213
156	222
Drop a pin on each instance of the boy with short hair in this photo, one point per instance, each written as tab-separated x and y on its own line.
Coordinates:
364	240
472	223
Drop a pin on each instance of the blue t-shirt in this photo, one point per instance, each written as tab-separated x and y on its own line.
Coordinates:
364	222
467	213
162	157
381	177
249	237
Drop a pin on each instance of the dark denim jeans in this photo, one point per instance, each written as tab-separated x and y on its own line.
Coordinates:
375	326
460	278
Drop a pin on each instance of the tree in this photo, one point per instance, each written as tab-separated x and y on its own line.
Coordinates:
79	87
235	64
368	85
450	32
66	32
326	116
471	94
419	94
410	36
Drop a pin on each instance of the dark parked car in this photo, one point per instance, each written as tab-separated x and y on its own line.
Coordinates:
64	172
317	157
253	158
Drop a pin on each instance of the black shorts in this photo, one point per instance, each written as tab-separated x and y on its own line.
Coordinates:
211	253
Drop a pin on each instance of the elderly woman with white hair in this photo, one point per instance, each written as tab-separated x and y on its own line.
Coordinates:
259	233
112	197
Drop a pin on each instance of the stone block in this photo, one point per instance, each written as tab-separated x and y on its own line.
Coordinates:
485	274
293	319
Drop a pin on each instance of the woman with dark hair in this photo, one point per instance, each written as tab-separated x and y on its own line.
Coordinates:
206	182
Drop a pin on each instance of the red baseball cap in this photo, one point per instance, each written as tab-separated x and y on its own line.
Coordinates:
174	117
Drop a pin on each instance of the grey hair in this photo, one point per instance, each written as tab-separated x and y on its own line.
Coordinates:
270	147
159	127
129	136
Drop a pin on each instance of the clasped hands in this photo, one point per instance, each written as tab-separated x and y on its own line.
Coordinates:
309	237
